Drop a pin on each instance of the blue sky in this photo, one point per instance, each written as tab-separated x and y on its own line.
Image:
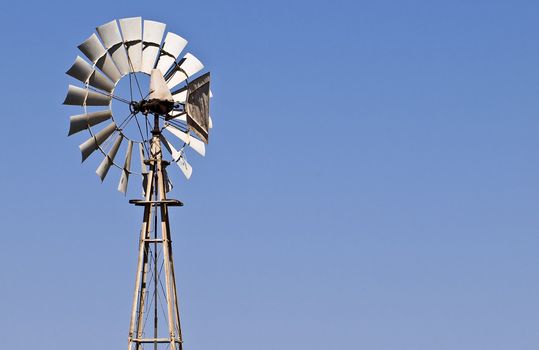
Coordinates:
371	181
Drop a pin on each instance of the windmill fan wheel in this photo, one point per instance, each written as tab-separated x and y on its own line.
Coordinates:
176	101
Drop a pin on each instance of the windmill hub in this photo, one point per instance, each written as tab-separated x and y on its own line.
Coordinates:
153	106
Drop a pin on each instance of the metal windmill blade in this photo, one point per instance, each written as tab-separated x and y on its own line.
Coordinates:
172	47
178	157
96	53
84	72
151	44
187	67
93	143
122	186
132	39
82	122
112	39
77	96
189	140
105	165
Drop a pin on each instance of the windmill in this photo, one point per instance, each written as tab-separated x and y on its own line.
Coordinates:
173	111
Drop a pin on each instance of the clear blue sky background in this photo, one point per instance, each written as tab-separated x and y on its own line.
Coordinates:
371	182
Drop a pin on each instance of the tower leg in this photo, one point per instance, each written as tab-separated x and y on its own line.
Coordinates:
139	296
175	296
166	256
143	289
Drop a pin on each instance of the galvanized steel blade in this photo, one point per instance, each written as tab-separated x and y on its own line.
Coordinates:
178	157
97	99
170	148
132	35
107	162
168	183
143	167
92	48
193	142
112	39
189	66
76	96
185	167
97	54
81	122
80	70
84	72
172	47
93	143
101	82
124	179
152	37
